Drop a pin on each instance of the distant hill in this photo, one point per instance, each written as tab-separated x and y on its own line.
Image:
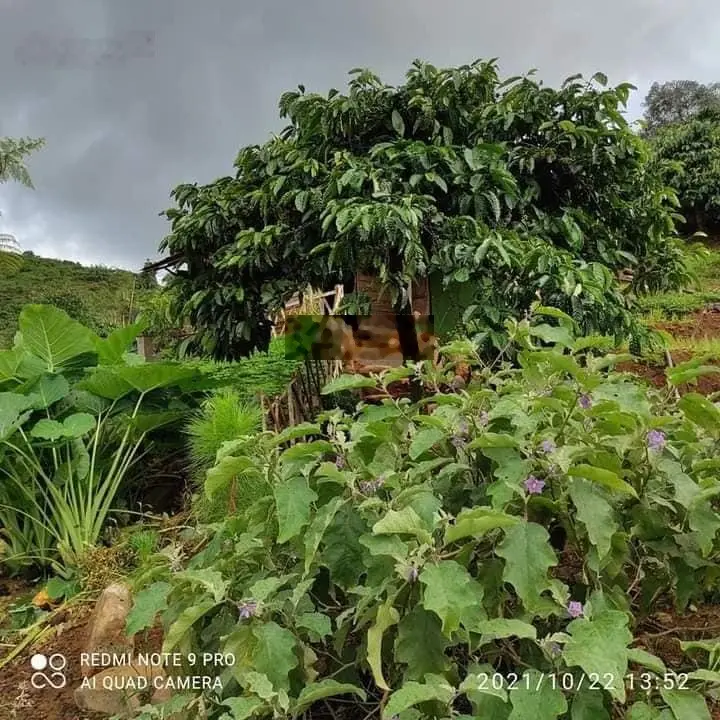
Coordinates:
99	297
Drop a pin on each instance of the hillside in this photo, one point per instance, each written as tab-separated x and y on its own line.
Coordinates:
99	297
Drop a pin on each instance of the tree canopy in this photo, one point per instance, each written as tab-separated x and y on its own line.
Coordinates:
523	191
678	101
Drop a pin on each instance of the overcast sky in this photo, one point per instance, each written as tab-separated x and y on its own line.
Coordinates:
137	96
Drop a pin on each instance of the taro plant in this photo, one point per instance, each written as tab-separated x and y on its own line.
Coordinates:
75	411
490	551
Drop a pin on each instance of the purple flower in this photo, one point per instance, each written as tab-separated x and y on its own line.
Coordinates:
548	446
585	401
371	486
554	648
656	440
484	418
458	441
575	609
247	609
534	486
412	574
463	428
339	462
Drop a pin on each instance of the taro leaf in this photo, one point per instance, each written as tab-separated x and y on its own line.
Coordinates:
12	407
112	349
47	429
413	693
147	422
51	335
78	424
451	593
187	619
599	647
420	644
106	383
243	708
324	689
477	522
588	705
528	556
686	704
316	622
211	580
146	605
403	522
595	513
156	375
424	440
293	500
386	617
535	698
49	390
348	382
608	479
274	655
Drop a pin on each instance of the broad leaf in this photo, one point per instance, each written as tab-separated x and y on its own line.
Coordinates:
386	617
274	654
146	605
414	693
450	592
536	698
293	500
477	522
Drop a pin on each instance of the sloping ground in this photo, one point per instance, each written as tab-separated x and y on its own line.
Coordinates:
97	296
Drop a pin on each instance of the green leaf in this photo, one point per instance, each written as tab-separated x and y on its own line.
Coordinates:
274	654
324	689
450	592
556	335
316	622
420	644
225	471
398	123
78	424
535	698
185	621
686	704
51	335
414	693
146	605
528	557
646	659
386	617
477	522
424	440
348	382
293	500
49	390
505	628
155	375
243	708
111	350
599	647
608	479
701	411
211	580
681	377
11	412
317	530
47	429
595	513
403	522
588	705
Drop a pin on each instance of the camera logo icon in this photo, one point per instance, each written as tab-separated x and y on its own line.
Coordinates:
54	665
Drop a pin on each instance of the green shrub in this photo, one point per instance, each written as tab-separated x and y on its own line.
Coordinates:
416	558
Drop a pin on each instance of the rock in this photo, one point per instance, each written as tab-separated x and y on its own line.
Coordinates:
107	627
121	690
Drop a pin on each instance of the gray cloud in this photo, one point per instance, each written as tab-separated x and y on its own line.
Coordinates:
136	97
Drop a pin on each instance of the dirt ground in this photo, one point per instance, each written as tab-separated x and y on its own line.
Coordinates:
19	700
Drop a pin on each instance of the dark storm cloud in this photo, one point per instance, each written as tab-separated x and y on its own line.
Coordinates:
135	97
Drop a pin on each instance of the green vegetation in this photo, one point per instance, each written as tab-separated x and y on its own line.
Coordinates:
522	190
406	559
101	298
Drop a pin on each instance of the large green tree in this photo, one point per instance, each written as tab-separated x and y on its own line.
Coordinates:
678	101
517	189
693	147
